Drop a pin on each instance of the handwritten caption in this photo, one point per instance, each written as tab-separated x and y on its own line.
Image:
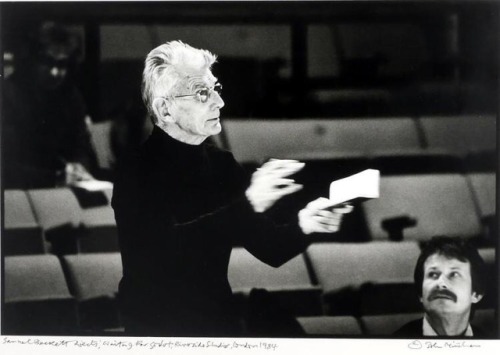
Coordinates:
445	344
141	344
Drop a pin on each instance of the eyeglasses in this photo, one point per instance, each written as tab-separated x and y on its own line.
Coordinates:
204	94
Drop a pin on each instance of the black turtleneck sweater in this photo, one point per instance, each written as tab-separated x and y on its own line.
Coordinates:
180	209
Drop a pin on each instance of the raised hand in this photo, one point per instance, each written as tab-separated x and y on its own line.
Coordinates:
270	183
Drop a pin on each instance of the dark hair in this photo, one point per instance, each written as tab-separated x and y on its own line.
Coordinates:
50	33
453	248
32	41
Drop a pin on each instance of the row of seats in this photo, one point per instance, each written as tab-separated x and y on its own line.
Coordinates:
343	278
414	206
255	140
77	293
48	295
468	142
379	325
59	220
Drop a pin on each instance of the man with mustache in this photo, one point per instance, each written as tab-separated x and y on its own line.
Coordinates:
448	276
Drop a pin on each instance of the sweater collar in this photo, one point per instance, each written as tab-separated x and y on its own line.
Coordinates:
164	147
160	139
429	331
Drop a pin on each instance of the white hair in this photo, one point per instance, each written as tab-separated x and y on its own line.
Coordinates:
167	66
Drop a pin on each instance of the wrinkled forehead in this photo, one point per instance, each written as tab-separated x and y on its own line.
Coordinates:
185	82
197	79
443	262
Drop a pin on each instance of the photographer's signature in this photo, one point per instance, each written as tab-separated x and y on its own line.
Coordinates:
442	344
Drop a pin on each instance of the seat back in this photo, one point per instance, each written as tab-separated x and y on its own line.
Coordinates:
440	204
93	275
37	298
342	265
99	232
59	216
246	272
93	279
484	190
17	210
55	207
460	134
289	286
327	325
22	234
257	140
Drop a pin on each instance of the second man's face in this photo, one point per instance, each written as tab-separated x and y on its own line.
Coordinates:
52	67
447	286
194	117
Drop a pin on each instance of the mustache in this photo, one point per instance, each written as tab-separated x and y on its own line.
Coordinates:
442	294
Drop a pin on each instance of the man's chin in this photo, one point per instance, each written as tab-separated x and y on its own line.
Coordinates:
442	306
215	128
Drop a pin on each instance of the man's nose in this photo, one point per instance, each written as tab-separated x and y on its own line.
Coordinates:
218	102
442	282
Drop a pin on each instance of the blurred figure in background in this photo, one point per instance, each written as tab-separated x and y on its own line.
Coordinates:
45	135
449	279
182	204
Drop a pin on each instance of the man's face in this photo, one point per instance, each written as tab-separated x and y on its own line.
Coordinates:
447	286
52	67
196	118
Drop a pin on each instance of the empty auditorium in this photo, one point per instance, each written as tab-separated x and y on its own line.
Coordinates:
250	169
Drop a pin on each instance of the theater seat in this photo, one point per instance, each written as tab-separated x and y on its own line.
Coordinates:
22	234
460	135
439	204
58	214
326	325
257	140
99	233
37	298
484	189
341	268
387	324
93	279
290	283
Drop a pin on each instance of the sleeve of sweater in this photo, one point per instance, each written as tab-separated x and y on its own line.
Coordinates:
147	218
270	242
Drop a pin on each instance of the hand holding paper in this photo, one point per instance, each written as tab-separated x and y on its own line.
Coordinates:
325	215
317	218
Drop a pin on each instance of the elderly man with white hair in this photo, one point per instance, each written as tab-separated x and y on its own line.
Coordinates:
181	204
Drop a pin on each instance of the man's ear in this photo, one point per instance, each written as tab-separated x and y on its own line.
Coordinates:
476	297
160	108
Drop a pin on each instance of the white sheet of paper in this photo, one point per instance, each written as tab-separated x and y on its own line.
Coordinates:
94	185
360	186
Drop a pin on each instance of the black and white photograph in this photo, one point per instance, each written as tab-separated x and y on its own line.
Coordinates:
249	176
